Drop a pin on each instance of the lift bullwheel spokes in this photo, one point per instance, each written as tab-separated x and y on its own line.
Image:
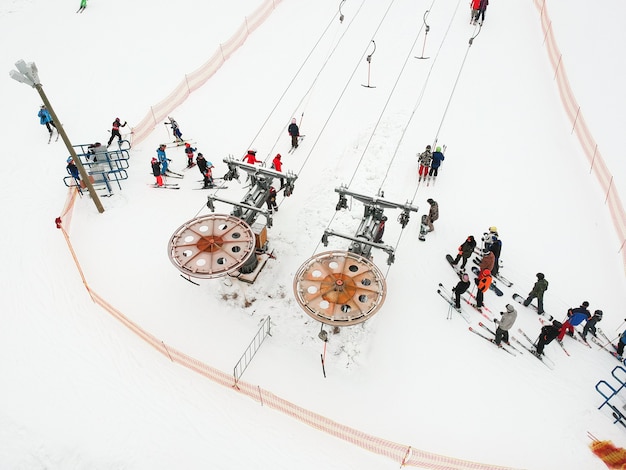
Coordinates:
211	246
339	288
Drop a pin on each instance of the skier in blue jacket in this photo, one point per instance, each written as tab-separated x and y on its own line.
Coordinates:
162	158
436	162
45	119
575	317
620	346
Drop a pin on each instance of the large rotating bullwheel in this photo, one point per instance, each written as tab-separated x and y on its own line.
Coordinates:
211	246
339	288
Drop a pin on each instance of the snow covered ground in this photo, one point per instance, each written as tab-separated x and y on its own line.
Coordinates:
81	391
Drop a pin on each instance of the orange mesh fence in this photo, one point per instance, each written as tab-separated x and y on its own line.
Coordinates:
589	145
405	455
198	77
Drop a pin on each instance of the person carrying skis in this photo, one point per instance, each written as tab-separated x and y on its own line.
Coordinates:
45	119
271	200
189	150
250	157
294	132
436	163
483	281
433	214
459	289
156	171
547	334
466	250
591	324
115	131
178	135
537	292
424	160
504	324
208	175
163	160
575	316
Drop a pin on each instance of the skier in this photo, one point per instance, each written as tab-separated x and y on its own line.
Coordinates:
115	131
489	238
620	346
481	11
250	157
201	162
475	5
424	159
83	5
45	119
433	214
590	326
483	281
380	230
465	251
189	150
156	171
208	176
537	292
496	248
178	135
72	169
504	324
487	262
547	334
294	132
271	200
436	163
575	316
163	160
277	165
459	289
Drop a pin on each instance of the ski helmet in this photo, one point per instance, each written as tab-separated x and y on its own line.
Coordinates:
200	155
252	151
438	149
278	155
187	144
585	304
598	313
428	147
486	272
430	201
493	229
70	159
209	165
540	276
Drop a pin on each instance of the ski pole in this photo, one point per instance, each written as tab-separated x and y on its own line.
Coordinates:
620	327
323	356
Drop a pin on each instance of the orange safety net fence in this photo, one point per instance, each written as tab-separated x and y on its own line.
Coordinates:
587	142
199	77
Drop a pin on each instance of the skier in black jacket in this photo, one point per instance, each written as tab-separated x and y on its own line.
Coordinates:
547	335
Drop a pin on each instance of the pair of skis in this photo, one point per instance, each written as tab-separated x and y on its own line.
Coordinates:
300	139
543	358
519	299
493	340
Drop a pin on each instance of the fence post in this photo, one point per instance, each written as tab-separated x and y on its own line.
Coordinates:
595	150
547	31
608	190
556	71
576	120
167	351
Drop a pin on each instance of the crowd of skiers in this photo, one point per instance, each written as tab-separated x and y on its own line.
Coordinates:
488	268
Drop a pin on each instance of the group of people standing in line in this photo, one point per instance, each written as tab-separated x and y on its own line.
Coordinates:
488	268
